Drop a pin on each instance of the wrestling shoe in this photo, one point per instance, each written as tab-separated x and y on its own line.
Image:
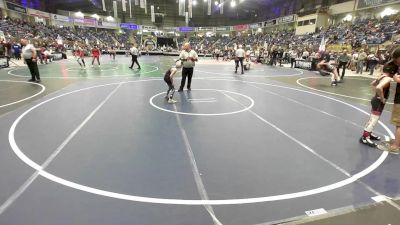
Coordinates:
374	137
367	141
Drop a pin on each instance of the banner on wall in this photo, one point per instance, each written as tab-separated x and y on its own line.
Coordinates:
223	29
190	8
87	22
148	28
15	7
205	29
209	7
129	26
186	29
115	9
104	5
170	28
286	19
34	12
123	5
130	8
60	18
107	24
373	3
153	16
242	27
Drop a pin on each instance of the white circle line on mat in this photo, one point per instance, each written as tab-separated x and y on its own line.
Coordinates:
43	88
11	72
121	196
331	93
151	101
299	72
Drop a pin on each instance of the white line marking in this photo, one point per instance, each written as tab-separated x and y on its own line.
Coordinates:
347	121
33	177
95	69
43	88
310	107
151	101
110	194
90	77
195	170
300	72
331	93
293	139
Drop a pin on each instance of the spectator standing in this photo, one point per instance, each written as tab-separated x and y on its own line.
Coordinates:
343	62
360	62
373	62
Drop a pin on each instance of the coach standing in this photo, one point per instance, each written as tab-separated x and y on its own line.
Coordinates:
135	53
343	62
30	57
188	57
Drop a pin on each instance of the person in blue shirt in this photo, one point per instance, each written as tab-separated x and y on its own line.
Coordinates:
17	51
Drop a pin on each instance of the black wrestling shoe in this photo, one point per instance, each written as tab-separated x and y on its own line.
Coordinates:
374	137
367	141
31	80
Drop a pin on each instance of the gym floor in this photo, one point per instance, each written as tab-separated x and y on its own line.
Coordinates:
102	146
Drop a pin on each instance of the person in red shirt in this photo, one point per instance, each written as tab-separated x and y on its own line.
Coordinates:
80	57
96	55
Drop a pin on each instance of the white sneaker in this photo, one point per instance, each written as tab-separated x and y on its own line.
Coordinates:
171	101
92	66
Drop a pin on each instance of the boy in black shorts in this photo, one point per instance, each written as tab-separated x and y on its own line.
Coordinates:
381	86
169	79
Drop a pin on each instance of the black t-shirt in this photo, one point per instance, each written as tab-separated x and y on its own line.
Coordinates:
392	69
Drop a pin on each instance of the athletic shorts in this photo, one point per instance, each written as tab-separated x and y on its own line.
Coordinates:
377	106
396	115
168	81
96	56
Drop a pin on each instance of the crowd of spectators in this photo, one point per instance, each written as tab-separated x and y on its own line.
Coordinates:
357	34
